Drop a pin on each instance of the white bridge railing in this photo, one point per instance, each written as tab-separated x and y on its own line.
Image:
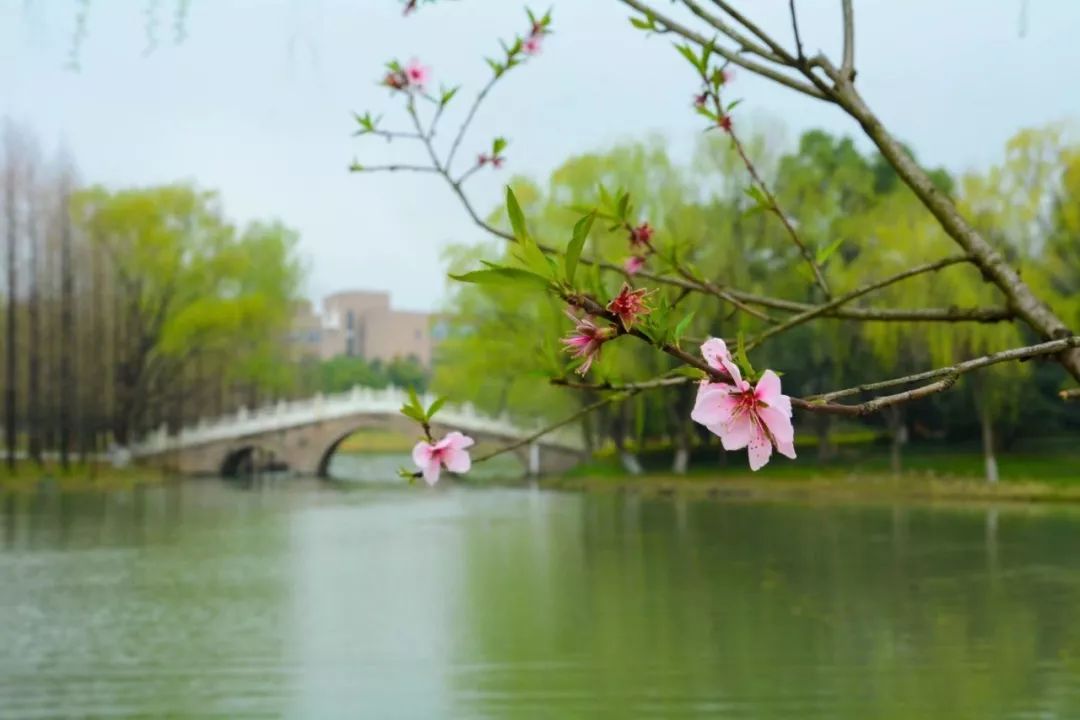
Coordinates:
358	401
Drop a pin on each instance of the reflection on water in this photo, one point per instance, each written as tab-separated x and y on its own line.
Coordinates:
302	600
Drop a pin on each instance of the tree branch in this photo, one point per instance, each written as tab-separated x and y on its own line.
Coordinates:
733	57
469	118
357	167
776	210
1052	347
857	293
795	29
749	25
744	42
993	264
847	67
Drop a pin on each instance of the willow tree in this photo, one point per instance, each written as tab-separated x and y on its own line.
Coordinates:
188	289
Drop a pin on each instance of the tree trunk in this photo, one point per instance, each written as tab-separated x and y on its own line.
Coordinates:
34	358
894	417
69	343
986	421
10	377
627	459
823	426
680	433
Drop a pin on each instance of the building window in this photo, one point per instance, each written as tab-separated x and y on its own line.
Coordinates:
350	320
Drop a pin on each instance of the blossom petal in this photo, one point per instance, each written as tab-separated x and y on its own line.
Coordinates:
458	441
759	450
768	388
733	371
786	448
777	423
457	460
714	350
431	471
714	405
421	454
737	433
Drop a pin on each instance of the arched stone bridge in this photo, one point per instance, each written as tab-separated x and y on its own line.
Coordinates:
303	435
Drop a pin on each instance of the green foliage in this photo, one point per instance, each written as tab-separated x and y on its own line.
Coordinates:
194	284
861	225
344	373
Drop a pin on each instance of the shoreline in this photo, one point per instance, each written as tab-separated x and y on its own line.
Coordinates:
810	489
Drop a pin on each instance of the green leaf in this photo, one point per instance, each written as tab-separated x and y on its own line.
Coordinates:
641	24
688	371
683	324
743	360
577	242
517	218
503	276
498	145
688	53
706	112
435	407
414	413
413	399
826	252
448	95
624	205
732	105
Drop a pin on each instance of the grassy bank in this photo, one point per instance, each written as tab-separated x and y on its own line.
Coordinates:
29	475
1048	471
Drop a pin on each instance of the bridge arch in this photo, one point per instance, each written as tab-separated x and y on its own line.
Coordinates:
247	459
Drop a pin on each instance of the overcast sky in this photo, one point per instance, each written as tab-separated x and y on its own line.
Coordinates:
256	101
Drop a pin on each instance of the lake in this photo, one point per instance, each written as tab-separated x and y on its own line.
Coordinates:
303	599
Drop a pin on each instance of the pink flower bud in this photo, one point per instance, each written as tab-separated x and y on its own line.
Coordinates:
641	235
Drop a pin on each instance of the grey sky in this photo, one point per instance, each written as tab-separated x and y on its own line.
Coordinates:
256	101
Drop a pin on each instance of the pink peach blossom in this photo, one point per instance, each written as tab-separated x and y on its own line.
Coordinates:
450	452
634	264
629	305
586	340
416	74
756	418
531	44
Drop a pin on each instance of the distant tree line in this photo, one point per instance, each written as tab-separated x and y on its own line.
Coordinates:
125	310
345	372
869	226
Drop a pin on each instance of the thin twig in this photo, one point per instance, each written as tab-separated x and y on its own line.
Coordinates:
389	134
469	118
848	297
582	412
357	167
749	25
847	66
733	57
776	210
1051	347
795	29
743	41
621	387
